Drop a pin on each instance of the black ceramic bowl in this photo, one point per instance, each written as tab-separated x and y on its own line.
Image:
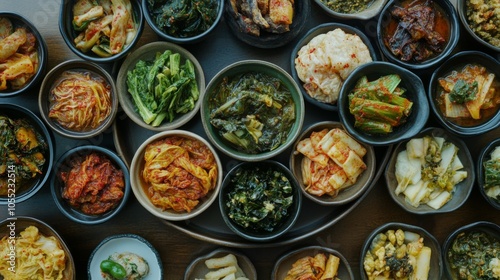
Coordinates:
311	34
486	155
371	11
69	33
492	230
31	187
160	31
490	119
268	40
436	267
284	225
42	54
415	92
448	11
462	12
63	164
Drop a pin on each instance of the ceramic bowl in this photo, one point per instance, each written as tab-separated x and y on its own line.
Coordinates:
462	13
415	92
345	195
386	20
484	156
285	262
65	164
52	79
370	12
26	190
268	40
197	269
23	222
122	243
18	20
167	33
69	34
311	34
284	225
148	53
436	262
243	67
461	191
490	118
492	231
140	187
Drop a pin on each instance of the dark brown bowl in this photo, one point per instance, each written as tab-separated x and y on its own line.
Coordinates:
462	12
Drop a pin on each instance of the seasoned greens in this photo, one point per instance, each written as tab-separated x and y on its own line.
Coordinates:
163	88
254	112
492	175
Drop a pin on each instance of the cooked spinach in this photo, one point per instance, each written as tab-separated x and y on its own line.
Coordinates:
259	199
463	91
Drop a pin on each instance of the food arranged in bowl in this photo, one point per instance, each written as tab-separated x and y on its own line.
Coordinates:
330	165
464	93
430	173
26	153
487	170
480	19
101	31
325	57
362	9
252	110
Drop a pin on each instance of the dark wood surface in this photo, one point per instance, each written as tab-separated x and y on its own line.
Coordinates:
178	249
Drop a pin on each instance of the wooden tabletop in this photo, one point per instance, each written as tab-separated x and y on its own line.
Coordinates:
178	249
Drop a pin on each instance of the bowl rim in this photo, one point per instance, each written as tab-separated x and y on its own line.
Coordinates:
452	15
50	152
365	14
421	98
324	28
485	155
74	214
294	155
44	92
290	221
428	238
181	40
122	88
139	191
68	39
492	123
41	48
239	66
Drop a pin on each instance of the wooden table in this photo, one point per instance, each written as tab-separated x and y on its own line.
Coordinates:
178	249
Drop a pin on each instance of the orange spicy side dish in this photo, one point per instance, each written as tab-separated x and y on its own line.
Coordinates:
93	184
178	173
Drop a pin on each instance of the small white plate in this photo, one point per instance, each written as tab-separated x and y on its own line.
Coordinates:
125	243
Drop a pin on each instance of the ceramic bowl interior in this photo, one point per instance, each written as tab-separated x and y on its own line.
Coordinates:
346	195
268	40
50	81
448	11
63	164
69	34
436	267
247	66
490	118
371	11
42	52
489	228
148	15
30	188
139	187
415	92
147	53
285	225
23	222
121	243
462	13
484	156
197	269
462	189
323	29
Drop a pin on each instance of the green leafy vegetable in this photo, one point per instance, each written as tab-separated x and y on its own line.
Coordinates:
163	88
463	91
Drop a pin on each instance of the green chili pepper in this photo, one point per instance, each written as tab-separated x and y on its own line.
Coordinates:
114	269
